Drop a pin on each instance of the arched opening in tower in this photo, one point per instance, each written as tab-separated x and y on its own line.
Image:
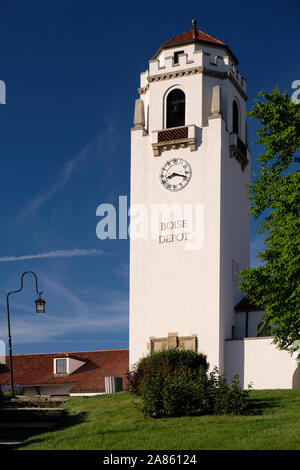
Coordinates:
235	118
176	108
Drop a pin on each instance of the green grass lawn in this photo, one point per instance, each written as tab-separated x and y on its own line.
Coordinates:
114	422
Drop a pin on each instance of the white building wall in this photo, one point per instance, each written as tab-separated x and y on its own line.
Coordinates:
235	228
48	390
258	361
30	391
158	91
193	292
172	289
86	394
74	364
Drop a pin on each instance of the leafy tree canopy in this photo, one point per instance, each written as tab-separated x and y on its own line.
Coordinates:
274	202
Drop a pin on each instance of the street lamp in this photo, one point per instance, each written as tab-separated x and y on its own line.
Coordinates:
40	308
40	305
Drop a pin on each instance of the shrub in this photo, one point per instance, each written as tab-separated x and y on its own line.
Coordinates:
178	393
176	382
165	361
171	359
133	378
225	399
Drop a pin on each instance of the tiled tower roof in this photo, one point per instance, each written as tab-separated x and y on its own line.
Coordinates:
194	35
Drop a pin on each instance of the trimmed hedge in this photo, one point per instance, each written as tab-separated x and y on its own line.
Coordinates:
175	382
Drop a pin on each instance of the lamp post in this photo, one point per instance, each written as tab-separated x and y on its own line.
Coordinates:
40	308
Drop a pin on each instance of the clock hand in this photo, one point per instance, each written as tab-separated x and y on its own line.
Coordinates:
182	176
176	174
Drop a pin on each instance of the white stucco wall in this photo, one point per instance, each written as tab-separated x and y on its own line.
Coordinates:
86	394
193	292
49	390
258	361
74	364
235	234
173	289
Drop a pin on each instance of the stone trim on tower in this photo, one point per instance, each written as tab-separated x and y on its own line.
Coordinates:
216	103
173	341
139	114
173	138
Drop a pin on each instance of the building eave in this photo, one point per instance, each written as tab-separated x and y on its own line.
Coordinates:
246	305
198	41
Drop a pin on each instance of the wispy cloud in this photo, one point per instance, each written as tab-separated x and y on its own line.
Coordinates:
73	165
122	270
54	254
64	176
47	328
69	315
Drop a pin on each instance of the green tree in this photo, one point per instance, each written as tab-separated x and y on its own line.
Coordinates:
274	202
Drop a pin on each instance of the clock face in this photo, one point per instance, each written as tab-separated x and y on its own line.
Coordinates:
175	174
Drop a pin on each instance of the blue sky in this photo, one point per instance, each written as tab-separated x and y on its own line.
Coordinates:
71	70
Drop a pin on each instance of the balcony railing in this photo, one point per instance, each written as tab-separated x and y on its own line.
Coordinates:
176	133
238	150
174	137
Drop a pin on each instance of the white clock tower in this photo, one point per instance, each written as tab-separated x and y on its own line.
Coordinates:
189	171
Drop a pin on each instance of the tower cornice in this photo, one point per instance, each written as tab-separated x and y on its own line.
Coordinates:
192	71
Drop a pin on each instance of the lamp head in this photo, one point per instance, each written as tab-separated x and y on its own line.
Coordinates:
40	305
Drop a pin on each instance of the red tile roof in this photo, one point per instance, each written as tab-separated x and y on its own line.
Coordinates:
194	35
37	369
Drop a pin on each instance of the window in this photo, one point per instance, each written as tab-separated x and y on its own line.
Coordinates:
235	268
176	108
235	118
176	56
61	366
